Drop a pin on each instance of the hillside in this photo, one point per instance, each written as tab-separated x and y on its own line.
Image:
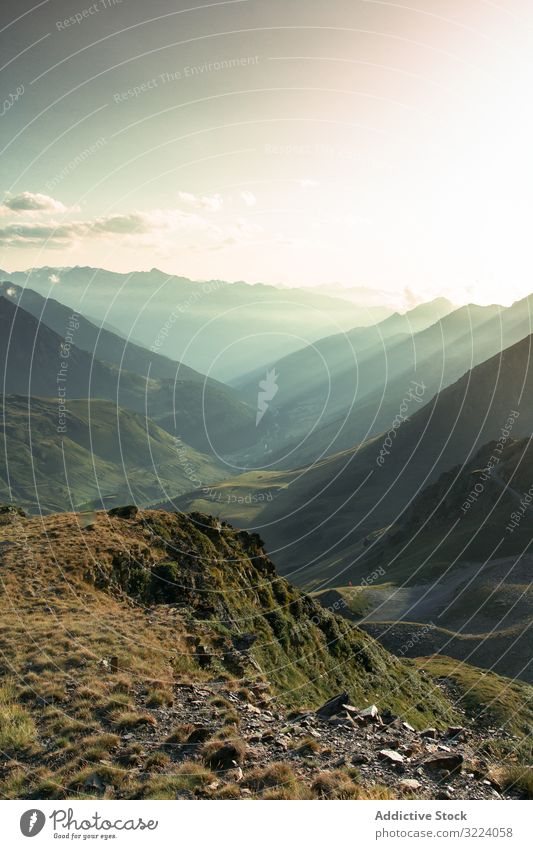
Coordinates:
105	454
468	514
37	361
315	519
460	558
150	655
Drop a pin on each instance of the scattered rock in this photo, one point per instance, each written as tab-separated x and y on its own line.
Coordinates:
305	750
456	734
430	733
370	714
443	761
333	706
95	782
390	756
267	737
456	731
413	748
388	717
342	720
127	512
410	784
476	768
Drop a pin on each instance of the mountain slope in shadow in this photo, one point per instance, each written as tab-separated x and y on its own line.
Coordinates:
342	391
98	341
315	519
39	362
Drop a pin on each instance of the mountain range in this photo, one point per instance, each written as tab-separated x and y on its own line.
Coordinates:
347	388
385	467
316	518
198	322
41	361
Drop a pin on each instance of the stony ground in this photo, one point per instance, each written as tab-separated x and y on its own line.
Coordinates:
103	697
323	751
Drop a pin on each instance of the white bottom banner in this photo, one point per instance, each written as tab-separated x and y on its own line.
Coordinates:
227	824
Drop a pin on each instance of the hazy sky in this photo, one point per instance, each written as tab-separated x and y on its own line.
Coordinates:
363	142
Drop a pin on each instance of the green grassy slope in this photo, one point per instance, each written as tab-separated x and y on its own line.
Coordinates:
106	451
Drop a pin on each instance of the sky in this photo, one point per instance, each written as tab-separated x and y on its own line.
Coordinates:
353	143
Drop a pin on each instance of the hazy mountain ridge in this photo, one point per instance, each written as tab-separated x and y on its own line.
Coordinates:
317	518
344	391
197	322
100	342
38	361
253	641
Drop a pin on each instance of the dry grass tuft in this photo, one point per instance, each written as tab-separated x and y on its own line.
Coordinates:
132	719
518	778
17	728
342	784
224	756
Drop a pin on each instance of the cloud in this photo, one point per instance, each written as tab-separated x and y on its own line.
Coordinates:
23	235
210	203
54	278
309	184
55	234
33	202
249	198
155	228
33	220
